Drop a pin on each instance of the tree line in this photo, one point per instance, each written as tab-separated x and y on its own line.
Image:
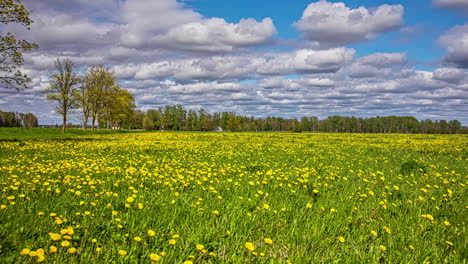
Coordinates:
176	117
16	119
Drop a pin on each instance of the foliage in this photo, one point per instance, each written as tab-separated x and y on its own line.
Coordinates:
15	119
233	198
101	97
11	49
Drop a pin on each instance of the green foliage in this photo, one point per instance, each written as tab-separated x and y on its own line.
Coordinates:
11	49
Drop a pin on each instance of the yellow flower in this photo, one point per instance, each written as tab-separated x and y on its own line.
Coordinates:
387	229
215	212
54	236
266	206
411	247
200	247
151	233
268	241
188	262
155	257
212	254
72	250
309	205
98	249
93	240
447	223
137	239
250	246
449	243
341	239
172	241
428	216
130	199
52	249
373	233
175	236
40	257
382	247
65	243
24	252
122	252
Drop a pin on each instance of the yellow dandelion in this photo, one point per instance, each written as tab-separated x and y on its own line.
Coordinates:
341	239
52	249
122	252
250	246
199	247
65	243
155	257
373	233
383	248
25	251
72	250
172	241
268	241
151	233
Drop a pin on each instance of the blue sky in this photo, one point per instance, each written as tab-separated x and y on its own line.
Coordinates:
426	22
262	58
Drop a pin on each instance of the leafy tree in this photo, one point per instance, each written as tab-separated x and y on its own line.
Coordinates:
11	49
62	89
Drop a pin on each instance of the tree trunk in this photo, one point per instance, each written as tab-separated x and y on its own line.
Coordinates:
85	122
92	123
64	123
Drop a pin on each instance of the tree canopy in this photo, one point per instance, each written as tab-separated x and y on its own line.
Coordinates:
11	49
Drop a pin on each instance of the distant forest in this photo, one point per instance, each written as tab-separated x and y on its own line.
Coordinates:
178	118
15	119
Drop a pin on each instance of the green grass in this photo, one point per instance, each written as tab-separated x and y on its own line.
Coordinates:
302	191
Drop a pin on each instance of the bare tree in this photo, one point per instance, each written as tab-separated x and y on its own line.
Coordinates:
62	89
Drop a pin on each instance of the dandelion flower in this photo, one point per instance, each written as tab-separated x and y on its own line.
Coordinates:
341	239
151	233
172	241
382	247
268	241
155	257
250	246
122	252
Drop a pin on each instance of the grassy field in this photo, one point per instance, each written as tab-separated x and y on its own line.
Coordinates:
232	198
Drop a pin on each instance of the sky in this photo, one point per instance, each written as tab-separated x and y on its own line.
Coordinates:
258	57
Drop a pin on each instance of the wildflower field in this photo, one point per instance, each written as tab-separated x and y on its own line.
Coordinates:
171	197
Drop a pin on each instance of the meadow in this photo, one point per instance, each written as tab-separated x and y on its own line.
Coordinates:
182	197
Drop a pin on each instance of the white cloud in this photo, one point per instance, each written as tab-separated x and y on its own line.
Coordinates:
334	24
307	61
455	41
177	27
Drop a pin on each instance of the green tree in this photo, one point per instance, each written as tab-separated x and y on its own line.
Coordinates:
62	89
11	49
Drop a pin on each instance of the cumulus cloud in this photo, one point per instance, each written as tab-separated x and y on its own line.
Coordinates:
164	53
180	28
334	24
307	61
375	64
455	41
